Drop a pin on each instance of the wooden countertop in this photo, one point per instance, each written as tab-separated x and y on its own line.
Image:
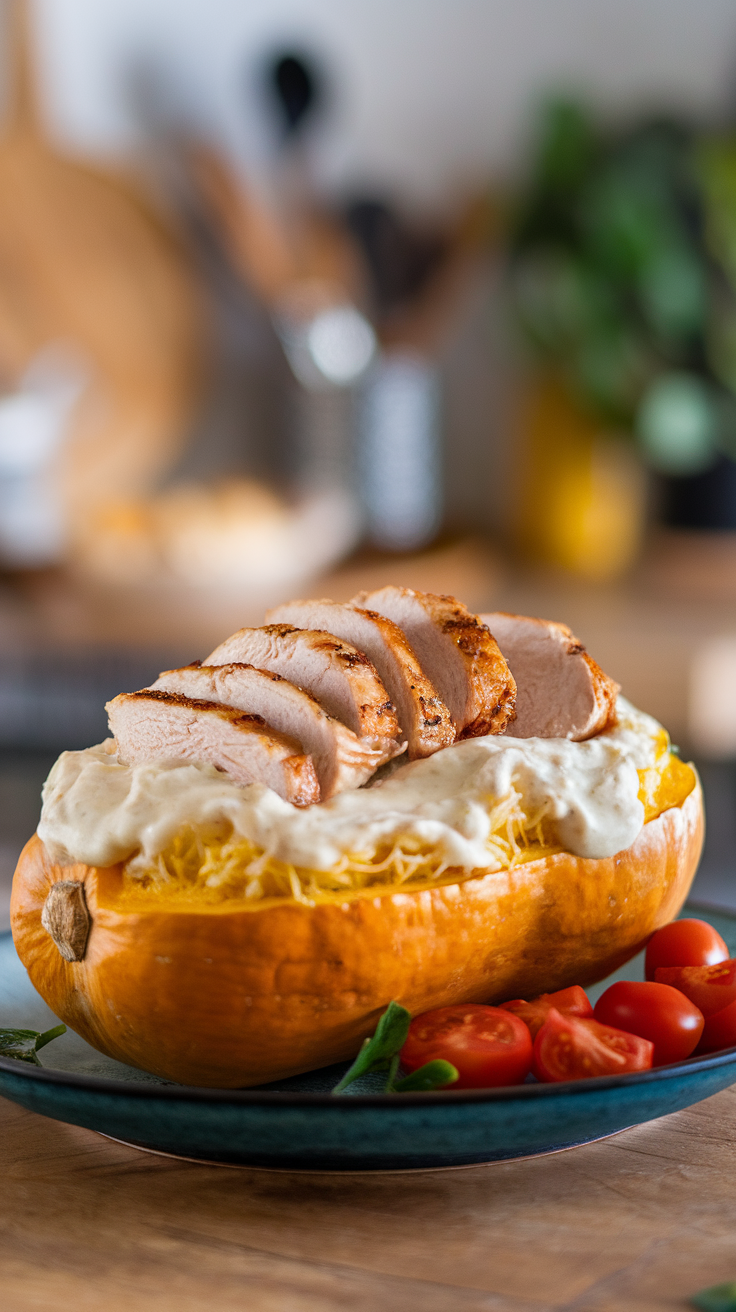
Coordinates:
635	1223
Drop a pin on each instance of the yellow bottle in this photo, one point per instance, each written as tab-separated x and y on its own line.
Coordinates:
580	496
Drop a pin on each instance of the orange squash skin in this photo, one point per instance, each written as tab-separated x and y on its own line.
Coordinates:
229	995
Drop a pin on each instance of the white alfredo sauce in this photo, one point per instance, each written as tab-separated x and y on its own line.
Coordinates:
97	811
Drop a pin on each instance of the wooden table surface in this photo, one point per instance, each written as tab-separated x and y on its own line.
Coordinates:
632	1224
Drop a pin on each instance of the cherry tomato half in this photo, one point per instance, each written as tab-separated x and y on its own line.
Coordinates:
684	943
567	1048
656	1012
719	1031
710	988
489	1047
569	1002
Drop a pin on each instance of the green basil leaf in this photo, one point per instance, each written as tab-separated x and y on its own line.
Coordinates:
377	1053
719	1298
24	1044
435	1075
20	1044
359	1067
48	1035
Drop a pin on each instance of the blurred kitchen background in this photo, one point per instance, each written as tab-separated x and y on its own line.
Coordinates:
298	297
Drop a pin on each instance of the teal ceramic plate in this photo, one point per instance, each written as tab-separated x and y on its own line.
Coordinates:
297	1125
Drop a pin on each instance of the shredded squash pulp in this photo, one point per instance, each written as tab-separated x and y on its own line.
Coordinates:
220	865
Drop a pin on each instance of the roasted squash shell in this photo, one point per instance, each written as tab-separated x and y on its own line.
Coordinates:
233	994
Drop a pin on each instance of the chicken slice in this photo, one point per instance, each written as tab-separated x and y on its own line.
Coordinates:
342	678
456	652
561	692
425	720
152	725
340	758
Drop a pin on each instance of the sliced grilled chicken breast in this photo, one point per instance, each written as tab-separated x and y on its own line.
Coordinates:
341	759
424	719
456	651
342	678
561	692
152	725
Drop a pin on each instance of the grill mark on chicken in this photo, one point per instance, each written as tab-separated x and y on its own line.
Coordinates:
341	759
341	678
424	718
196	703
457	652
152	725
388	708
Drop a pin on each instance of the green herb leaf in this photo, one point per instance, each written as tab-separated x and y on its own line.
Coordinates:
435	1075
48	1035
393	1071
24	1044
719	1298
378	1053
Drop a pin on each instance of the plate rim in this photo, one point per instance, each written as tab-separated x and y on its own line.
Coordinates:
274	1098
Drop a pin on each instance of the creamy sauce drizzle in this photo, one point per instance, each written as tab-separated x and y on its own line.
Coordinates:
97	811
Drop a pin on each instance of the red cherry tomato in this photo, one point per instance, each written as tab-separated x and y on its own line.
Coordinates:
710	988
489	1047
719	1031
656	1012
684	943
567	1048
569	1002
